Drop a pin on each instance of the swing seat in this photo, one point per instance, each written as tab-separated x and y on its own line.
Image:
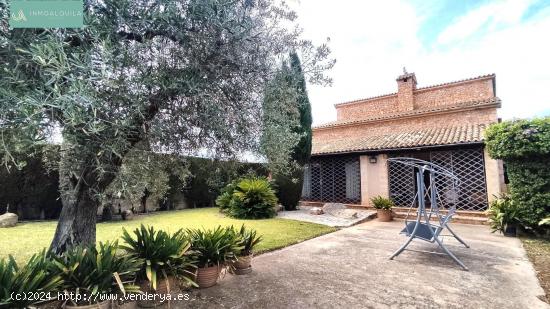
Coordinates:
423	232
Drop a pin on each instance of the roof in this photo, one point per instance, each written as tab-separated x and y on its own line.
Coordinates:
466	80
454	135
417	112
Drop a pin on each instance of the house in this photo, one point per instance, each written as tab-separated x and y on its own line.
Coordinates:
443	124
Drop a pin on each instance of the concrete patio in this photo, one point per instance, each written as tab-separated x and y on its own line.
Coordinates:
350	269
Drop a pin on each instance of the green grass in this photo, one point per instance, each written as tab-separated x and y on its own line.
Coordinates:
30	237
538	251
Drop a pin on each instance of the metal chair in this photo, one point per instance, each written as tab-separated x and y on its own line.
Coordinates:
422	228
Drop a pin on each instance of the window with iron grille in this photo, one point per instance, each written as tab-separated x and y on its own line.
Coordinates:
332	179
467	164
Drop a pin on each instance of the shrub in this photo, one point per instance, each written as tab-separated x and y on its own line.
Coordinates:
214	247
247	239
524	145
92	271
39	275
161	254
380	202
504	212
250	198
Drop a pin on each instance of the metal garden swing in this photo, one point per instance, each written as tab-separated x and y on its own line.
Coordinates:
422	228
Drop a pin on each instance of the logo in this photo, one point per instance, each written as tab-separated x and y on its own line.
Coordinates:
19	17
46	14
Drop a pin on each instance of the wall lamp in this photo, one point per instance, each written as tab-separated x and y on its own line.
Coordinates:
373	159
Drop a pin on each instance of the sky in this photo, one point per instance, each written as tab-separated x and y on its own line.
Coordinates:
440	41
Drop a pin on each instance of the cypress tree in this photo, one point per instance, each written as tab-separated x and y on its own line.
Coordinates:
290	184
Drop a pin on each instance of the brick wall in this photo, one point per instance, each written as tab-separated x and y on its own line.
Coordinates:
422	98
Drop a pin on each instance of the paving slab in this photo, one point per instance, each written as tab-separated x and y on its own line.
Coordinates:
327	219
350	269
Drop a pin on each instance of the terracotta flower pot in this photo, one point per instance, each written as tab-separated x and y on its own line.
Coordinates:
208	276
243	262
384	215
164	286
103	305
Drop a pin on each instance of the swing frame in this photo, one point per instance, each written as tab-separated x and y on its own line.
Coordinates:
421	228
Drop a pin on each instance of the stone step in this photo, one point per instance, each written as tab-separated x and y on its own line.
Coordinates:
461	216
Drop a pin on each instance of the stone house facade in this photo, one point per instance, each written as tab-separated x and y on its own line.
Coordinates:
442	123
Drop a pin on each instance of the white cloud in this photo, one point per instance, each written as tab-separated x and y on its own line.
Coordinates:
372	41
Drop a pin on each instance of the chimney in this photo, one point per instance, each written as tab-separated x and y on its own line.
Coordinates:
406	85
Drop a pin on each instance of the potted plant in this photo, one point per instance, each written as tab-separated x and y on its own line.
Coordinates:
383	208
39	275
248	239
505	216
90	273
165	259
214	249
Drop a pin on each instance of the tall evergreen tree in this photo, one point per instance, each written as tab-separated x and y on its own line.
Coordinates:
287	130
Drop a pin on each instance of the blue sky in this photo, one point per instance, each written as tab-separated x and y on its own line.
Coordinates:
440	41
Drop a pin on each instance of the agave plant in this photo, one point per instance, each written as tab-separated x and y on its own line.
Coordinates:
161	254
38	276
247	239
214	247
94	271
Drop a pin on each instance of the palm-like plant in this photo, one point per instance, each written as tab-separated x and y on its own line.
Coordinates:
253	198
39	275
504	212
247	239
214	247
380	202
162	254
97	270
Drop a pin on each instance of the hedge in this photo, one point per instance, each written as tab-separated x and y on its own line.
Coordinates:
524	145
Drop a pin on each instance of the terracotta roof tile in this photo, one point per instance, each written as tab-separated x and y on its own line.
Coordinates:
410	139
442	108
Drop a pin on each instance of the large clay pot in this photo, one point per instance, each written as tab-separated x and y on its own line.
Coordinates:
243	262
103	305
208	276
164	286
384	215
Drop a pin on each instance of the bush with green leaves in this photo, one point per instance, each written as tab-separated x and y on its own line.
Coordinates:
524	145
97	270
160	253
380	202
249	198
247	239
214	247
39	275
504	212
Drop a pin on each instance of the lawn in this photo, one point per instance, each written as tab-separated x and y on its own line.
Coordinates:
29	237
538	251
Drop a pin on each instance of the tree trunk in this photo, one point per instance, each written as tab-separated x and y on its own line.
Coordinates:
76	225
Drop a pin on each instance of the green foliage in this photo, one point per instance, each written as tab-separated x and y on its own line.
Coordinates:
249	198
214	247
504	212
519	139
524	145
92	271
39	275
186	76
33	190
248	239
161	254
287	136
380	202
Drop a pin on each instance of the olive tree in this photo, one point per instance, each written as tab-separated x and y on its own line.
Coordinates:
186	75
